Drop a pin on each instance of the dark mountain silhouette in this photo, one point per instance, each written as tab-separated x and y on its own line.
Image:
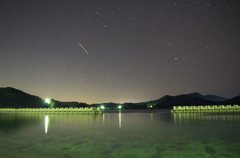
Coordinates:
13	98
207	97
215	98
235	100
72	104
167	102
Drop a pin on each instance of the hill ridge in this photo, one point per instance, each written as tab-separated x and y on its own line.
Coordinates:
14	98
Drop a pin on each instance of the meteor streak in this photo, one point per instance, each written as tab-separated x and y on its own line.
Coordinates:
82	80
83	48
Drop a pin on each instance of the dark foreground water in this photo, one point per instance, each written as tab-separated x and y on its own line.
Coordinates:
129	134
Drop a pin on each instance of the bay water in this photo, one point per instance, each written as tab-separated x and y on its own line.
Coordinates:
120	134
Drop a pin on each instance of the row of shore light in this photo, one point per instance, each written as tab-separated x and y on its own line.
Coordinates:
102	107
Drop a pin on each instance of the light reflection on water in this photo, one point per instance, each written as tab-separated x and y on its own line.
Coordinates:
46	123
120	134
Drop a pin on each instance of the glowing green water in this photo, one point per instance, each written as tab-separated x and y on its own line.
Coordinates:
146	134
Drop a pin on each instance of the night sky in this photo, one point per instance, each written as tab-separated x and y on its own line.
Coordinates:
97	51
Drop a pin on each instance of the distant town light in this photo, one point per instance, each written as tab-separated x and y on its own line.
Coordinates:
47	101
119	107
102	107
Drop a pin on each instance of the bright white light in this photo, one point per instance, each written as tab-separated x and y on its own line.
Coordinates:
102	107
119	107
47	101
46	124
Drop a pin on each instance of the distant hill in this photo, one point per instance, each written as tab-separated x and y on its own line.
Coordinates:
207	97
72	104
13	98
194	99
167	102
235	100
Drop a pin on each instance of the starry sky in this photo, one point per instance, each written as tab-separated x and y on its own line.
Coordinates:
120	50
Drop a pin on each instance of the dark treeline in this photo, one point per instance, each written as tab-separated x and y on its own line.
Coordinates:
13	98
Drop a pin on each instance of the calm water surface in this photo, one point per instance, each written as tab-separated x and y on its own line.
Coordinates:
125	134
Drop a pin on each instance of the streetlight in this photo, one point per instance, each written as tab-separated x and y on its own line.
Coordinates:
47	101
